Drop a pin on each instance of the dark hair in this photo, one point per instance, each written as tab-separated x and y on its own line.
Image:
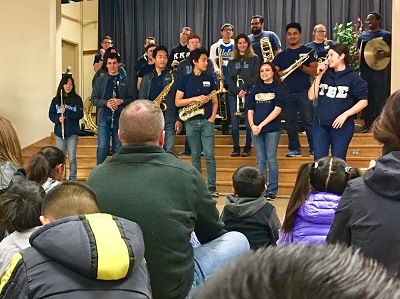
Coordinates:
150	46
159	48
293	25
226	25
107	37
42	164
328	174
261	18
342	49
113	56
186	28
248	181
69	199
377	15
249	51
21	205
386	127
63	81
195	54
276	76
106	54
301	271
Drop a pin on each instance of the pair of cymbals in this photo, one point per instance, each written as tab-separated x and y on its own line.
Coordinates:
371	48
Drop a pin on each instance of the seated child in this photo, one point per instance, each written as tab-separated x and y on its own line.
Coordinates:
79	254
248	212
310	211
20	209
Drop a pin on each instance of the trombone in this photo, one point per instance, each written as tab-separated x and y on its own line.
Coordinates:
222	104
239	100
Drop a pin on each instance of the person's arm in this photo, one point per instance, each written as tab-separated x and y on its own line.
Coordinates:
339	121
214	57
14	283
311	69
139	82
231	78
274	225
254	73
130	92
214	102
275	43
78	114
53	115
96	98
144	88
98	63
314	89
181	102
256	129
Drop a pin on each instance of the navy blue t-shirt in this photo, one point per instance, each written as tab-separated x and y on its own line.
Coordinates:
298	80
193	86
111	85
320	48
157	85
262	100
145	69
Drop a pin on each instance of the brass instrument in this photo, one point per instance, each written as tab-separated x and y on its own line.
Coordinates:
323	59
372	47
303	58
194	109
266	49
160	99
87	115
62	113
239	100
222	104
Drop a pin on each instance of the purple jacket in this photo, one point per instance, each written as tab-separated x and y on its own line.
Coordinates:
313	220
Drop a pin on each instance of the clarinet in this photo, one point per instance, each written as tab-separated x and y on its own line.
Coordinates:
116	85
62	114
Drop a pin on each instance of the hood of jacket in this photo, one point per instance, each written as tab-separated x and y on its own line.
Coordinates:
97	246
337	75
10	172
320	207
243	207
384	178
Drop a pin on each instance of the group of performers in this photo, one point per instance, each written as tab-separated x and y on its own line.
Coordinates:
249	76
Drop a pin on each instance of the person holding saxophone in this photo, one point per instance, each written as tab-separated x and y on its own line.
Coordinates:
110	94
158	86
66	109
242	75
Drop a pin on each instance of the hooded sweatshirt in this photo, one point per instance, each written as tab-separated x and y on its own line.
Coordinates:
368	214
254	217
87	256
338	92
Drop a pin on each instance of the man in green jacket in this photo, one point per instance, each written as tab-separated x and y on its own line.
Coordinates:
169	200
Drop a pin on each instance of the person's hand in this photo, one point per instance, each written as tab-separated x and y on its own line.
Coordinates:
61	119
321	68
178	127
339	121
175	63
211	119
379	54
62	110
256	130
201	99
111	105
102	51
242	94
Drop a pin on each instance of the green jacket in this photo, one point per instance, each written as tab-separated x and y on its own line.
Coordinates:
169	199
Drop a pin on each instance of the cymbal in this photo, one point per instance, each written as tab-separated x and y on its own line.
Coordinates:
374	45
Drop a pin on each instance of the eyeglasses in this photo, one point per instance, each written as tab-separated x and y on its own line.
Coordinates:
108	43
323	31
255	23
227	29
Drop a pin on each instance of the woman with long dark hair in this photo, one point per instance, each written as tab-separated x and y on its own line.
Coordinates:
265	104
341	93
66	116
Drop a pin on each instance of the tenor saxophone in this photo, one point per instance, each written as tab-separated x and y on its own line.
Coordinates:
266	49
160	99
303	58
194	108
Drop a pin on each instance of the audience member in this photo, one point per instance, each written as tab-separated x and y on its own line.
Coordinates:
79	254
313	202
46	167
302	271
368	213
169	199
20	209
248	212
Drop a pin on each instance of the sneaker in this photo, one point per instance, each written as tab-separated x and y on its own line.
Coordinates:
312	154
295	153
246	152
271	197
236	152
214	192
183	153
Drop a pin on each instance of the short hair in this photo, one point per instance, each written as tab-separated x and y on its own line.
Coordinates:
69	199
261	18
152	38
150	46
248	181
113	56
342	49
195	54
186	28
21	205
377	15
226	25
301	271
141	123
10	147
159	48
193	36
107	37
293	25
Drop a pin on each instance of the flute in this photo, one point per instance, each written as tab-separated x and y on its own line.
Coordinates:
62	114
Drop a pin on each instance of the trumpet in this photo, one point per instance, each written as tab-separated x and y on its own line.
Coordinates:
222	104
62	113
303	58
266	49
239	100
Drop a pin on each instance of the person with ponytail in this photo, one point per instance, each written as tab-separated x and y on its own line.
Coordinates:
315	197
69	112
320	44
341	94
46	167
367	217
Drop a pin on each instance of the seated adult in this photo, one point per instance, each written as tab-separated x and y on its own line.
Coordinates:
301	271
367	216
86	256
20	209
169	199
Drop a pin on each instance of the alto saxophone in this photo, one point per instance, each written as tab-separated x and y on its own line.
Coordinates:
266	49
160	99
194	109
303	58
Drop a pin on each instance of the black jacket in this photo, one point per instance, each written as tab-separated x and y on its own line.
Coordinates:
368	213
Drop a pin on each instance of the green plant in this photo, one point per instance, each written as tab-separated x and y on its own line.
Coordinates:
345	34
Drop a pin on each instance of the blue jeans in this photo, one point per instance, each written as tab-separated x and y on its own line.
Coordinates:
103	137
211	256
337	139
298	101
235	122
69	144
169	139
201	133
266	145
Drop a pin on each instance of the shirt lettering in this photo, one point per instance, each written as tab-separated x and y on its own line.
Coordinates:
338	92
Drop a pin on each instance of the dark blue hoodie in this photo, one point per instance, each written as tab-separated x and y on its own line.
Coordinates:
338	92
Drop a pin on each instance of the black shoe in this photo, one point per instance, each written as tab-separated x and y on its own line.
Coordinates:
246	152
213	192
227	132
271	197
183	153
236	152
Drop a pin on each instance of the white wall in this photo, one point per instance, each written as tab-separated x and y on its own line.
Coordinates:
31	61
